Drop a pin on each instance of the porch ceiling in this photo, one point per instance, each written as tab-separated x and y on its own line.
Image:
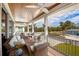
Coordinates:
24	14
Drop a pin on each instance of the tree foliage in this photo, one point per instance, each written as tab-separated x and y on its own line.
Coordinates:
62	27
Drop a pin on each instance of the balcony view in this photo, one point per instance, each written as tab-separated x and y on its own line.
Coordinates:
39	29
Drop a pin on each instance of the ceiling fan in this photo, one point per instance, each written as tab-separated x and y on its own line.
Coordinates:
40	7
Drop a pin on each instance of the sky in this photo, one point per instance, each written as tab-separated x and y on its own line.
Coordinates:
72	16
39	23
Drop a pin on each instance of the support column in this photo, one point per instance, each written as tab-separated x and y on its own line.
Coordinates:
7	26
33	30
14	27
46	27
33	27
23	29
13	30
28	28
0	31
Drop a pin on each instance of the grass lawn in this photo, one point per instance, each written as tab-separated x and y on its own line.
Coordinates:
67	49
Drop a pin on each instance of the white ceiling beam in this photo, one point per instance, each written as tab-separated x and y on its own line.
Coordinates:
7	9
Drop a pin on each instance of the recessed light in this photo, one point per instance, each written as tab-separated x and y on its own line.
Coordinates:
31	6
